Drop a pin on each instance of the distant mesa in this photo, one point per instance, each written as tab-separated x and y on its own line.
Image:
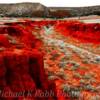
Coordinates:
38	10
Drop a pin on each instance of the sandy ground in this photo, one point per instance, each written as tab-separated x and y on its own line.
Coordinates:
86	19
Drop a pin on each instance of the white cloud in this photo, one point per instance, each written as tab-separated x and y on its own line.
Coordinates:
59	2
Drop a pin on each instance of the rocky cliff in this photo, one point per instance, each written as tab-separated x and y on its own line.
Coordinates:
39	10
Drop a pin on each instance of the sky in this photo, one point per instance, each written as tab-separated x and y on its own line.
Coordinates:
61	3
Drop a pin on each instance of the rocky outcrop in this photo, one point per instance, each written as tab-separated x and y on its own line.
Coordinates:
76	11
23	10
39	10
22	74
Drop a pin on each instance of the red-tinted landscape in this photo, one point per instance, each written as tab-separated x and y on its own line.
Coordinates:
62	56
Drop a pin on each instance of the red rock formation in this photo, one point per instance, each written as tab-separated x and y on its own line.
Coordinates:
21	69
80	31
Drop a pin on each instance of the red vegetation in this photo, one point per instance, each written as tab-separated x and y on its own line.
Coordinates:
21	65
